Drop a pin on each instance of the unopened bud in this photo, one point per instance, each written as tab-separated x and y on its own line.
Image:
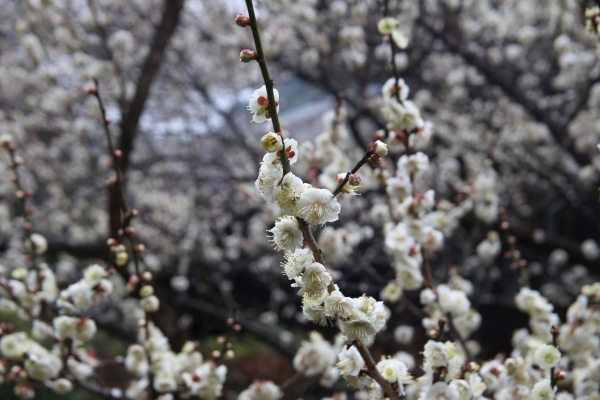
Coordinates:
472	367
379	148
271	142
559	376
147	276
121	258
354	180
146	291
374	160
242	20
248	55
150	304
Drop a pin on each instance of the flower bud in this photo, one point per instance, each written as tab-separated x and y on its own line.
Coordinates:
379	148
248	55
374	160
271	142
354	180
386	25
6	140
121	258
150	304
38	243
242	20
146	291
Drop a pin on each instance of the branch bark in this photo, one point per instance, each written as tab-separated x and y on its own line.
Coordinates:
131	116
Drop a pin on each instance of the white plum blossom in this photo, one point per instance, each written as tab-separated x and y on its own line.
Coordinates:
351	362
402	117
318	206
62	386
414	164
38	243
546	356
392	292
339	306
463	389
442	391
259	104
314	356
404	334
288	193
533	303
79	329
368	318
489	249
261	390
386	25
393	370
291	151
136	360
269	176
314	281
390	89
436	354
296	262
287	234
451	301
315	314
542	391
271	142
42	365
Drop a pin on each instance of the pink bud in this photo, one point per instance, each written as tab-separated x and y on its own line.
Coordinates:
248	55
354	180
242	20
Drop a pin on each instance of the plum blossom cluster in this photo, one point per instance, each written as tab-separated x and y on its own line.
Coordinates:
55	353
153	362
359	318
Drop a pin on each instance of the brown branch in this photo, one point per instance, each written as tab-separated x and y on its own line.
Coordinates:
131	116
373	372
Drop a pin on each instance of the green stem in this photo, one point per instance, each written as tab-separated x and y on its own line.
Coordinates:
269	84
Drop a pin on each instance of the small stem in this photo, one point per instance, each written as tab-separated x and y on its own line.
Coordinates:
359	164
554	333
426	270
395	73
269	84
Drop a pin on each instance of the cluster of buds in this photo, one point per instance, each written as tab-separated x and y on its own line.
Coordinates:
149	302
120	252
